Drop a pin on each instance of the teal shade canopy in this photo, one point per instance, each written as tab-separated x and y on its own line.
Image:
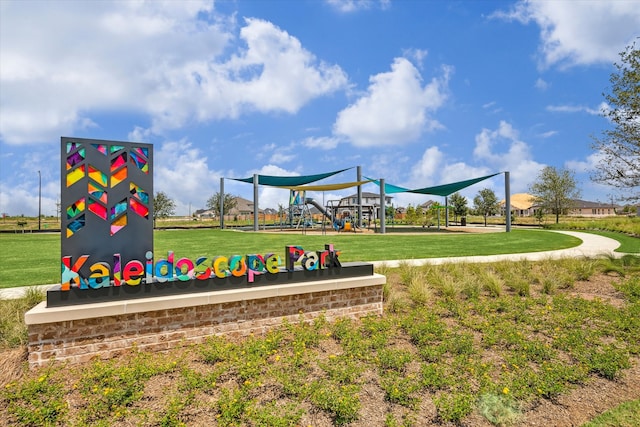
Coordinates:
389	188
438	190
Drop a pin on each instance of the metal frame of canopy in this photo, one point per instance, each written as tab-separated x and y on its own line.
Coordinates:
299	183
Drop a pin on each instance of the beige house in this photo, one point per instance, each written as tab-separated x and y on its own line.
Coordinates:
521	205
242	210
592	209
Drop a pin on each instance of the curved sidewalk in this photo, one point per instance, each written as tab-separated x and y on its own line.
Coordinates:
592	246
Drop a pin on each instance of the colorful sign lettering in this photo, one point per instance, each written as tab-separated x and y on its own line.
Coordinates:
135	272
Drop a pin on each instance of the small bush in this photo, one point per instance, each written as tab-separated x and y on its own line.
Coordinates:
453	407
499	410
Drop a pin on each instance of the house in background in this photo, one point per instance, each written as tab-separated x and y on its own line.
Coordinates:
593	209
243	210
370	204
523	205
368	199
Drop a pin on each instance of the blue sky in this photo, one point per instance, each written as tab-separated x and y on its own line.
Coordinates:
419	93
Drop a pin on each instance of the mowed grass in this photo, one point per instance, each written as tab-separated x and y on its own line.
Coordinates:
628	244
34	259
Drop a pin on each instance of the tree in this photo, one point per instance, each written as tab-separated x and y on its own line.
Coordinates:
410	215
459	204
619	147
486	203
555	190
229	202
432	214
389	214
163	206
539	215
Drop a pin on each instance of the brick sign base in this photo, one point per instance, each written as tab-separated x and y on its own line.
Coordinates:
76	334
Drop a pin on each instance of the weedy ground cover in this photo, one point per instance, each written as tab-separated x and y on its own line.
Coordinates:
455	342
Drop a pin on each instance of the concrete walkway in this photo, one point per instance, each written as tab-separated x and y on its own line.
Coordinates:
592	246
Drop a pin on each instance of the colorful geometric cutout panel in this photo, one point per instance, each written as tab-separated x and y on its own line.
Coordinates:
97	192
102	148
139	193
76	208
118	162
71	146
97	175
118	177
141	151
139	208
98	209
139	160
119	208
75	159
75	175
106	196
75	226
118	224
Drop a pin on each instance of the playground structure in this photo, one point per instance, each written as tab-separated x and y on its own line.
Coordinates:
339	216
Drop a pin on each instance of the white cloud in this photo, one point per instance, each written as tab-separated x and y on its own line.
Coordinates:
492	107
348	6
418	55
548	134
181	171
502	150
323	143
280	157
64	63
579	32
24	201
395	108
541	84
423	172
578	109
586	165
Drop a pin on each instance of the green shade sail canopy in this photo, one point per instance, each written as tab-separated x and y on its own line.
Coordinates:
289	181
389	188
438	190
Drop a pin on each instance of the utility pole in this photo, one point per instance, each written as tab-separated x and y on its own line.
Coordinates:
39	200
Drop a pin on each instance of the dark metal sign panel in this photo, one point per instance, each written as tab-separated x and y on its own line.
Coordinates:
106	204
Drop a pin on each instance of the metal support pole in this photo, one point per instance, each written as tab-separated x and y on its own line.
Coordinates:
39	200
221	202
507	201
359	178
256	218
446	211
382	207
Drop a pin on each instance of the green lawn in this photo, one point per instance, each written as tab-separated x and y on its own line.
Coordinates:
625	415
32	259
628	244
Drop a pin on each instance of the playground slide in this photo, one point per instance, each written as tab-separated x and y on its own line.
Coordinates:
319	207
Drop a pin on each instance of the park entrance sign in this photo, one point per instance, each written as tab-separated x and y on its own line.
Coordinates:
116	294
